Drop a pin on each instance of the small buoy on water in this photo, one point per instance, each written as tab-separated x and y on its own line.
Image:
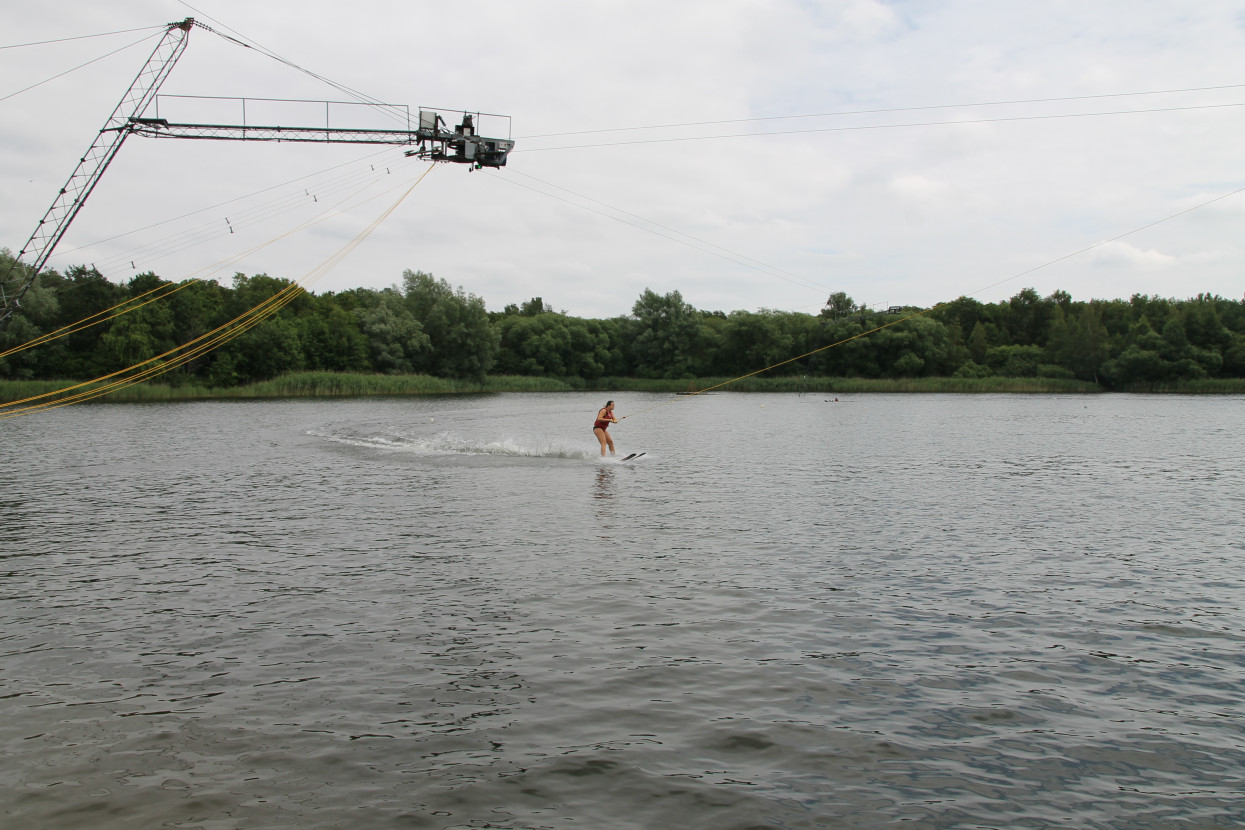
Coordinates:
432	420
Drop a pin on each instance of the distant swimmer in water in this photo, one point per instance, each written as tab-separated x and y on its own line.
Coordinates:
602	424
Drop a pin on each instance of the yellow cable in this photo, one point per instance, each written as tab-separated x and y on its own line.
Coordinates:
218	336
227	332
81	325
213	339
941	305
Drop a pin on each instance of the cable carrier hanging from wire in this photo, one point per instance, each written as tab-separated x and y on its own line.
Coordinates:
430	138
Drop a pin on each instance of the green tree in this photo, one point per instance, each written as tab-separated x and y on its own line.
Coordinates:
618	333
1234	357
535	306
1189	361
463	344
83	294
395	339
1062	300
332	340
38	314
1015	361
255	291
957	349
1135	365
851	355
966	312
1152	358
666	340
142	332
978	343
263	352
925	339
535	345
1079	342
1029	317
838	305
711	353
198	309
137	337
553	345
1154	309
1203	325
753	341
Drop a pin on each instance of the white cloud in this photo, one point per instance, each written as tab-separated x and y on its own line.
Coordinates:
1123	255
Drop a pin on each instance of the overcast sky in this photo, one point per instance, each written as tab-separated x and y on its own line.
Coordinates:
667	145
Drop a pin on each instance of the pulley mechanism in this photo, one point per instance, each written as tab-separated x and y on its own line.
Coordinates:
462	144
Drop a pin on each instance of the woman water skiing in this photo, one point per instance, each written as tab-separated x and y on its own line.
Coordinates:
600	427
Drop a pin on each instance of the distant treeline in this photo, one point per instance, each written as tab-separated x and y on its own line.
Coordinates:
426	326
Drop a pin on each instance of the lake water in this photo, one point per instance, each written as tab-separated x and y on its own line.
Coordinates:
924	611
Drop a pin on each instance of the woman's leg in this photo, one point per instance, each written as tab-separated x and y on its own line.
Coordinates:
610	441
602	437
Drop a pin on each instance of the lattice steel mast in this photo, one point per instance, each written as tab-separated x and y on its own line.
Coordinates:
96	160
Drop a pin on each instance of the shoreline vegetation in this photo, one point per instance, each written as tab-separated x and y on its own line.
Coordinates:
346	385
266	337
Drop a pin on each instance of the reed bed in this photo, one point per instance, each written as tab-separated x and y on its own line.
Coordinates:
823	385
1205	386
342	385
297	385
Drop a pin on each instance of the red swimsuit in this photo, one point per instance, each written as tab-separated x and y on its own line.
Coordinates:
599	424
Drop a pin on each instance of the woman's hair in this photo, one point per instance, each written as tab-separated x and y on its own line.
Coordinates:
607	403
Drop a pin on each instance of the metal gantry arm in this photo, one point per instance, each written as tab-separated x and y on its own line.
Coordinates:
435	140
96	160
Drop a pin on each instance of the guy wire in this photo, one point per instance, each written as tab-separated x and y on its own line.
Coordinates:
88	322
211	340
946	303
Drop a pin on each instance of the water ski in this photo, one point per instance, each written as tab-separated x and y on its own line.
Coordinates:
633	455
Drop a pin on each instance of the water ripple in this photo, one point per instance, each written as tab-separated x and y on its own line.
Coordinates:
938	611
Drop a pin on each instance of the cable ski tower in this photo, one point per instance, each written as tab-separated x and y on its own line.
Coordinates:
431	139
434	140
